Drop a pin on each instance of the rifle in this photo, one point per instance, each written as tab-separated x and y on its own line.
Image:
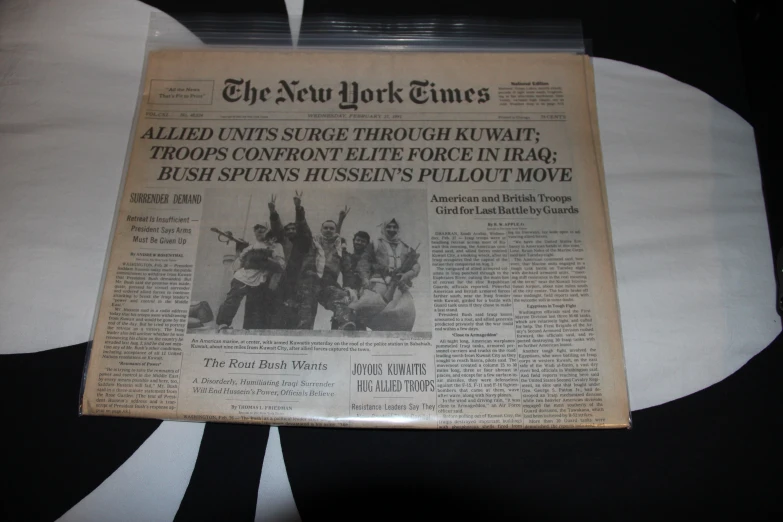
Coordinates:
229	237
410	260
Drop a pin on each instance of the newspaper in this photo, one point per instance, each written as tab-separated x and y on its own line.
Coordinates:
362	240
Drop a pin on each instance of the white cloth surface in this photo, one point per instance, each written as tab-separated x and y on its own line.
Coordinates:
70	79
694	266
150	484
694	269
275	500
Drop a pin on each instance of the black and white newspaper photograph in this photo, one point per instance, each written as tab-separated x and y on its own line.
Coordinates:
312	262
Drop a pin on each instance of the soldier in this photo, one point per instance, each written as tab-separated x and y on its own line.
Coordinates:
330	294
395	312
356	266
312	268
285	235
253	269
356	269
307	264
296	240
390	253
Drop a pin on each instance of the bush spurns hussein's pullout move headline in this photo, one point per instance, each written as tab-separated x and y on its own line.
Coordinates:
510	153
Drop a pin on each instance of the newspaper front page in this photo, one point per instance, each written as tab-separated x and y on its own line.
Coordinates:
362	240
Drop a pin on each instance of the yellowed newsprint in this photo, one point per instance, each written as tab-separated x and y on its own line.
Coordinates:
398	240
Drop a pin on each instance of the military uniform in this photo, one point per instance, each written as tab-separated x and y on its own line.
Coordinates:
372	309
252	276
